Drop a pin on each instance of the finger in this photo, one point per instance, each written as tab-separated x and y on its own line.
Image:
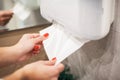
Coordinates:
2	23
41	43
37	47
54	59
36	52
5	23
38	40
50	63
55	78
6	13
35	35
60	67
5	19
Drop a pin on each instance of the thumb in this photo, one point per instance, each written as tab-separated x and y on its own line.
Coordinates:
60	67
38	39
41	38
50	63
7	13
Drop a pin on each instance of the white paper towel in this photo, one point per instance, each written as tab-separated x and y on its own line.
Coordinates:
60	44
21	11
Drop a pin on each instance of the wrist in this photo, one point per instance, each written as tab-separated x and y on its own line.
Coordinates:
17	49
26	71
18	75
7	56
14	53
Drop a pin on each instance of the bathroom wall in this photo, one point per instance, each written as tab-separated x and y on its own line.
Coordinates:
99	60
1	5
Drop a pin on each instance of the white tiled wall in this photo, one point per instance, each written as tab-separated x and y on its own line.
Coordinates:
99	60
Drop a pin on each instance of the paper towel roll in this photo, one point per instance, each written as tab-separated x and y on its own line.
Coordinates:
60	44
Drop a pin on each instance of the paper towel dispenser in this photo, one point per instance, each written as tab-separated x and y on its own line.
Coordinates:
86	19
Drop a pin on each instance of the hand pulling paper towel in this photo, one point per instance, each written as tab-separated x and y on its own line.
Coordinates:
60	44
21	11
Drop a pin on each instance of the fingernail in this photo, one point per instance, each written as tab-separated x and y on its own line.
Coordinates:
46	35
36	48
54	58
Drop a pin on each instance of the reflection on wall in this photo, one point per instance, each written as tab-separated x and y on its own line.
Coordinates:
15	23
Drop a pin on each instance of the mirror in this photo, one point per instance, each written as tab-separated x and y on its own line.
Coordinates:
33	19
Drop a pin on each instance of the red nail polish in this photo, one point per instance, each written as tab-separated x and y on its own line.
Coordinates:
36	48
46	35
54	58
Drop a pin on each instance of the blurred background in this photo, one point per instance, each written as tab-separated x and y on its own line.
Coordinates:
15	23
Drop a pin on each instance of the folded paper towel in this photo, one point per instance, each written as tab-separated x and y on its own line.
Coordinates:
60	44
21	11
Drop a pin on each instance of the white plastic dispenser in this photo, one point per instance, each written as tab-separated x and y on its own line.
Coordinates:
78	21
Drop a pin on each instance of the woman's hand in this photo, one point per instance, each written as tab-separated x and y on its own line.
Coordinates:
5	17
41	70
28	45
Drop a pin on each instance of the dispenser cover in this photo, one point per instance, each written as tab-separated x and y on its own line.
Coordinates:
89	19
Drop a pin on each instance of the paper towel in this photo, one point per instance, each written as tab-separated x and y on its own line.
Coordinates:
60	44
21	11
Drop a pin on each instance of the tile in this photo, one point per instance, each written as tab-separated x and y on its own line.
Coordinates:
116	42
94	60
116	23
115	71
